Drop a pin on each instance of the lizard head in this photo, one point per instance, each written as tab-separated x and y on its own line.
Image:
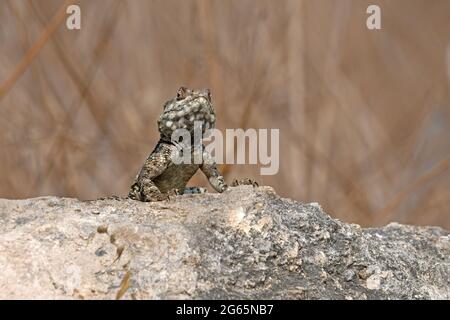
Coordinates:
187	107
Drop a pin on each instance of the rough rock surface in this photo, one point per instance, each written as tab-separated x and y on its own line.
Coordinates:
245	243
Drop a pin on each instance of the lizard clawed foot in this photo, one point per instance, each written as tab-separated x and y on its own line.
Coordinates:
172	194
218	183
243	182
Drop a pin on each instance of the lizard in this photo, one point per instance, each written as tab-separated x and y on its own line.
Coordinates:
160	177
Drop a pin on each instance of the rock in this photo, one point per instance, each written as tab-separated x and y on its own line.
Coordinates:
246	243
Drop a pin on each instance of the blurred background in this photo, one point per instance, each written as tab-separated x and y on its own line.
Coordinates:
364	116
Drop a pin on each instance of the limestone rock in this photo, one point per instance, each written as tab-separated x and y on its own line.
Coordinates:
246	243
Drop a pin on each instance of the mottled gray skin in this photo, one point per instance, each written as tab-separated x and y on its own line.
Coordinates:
159	176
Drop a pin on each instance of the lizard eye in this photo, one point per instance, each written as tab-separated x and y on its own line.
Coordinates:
181	94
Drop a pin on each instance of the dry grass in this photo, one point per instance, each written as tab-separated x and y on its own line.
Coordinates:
364	116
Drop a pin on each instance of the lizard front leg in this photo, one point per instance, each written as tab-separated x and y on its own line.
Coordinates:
146	191
143	188
210	170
